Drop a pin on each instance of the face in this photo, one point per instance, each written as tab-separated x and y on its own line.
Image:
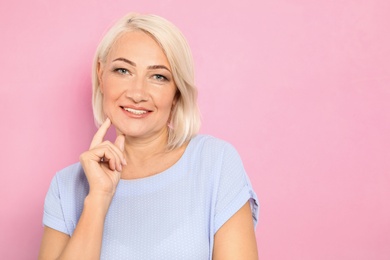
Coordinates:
137	86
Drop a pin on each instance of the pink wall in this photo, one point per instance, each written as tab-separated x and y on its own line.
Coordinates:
301	88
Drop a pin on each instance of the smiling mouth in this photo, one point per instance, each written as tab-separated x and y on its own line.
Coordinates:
135	111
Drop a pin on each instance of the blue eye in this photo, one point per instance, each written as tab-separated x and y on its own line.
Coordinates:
160	77
122	71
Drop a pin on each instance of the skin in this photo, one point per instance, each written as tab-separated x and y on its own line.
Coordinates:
136	75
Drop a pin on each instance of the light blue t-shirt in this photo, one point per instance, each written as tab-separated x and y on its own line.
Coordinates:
170	215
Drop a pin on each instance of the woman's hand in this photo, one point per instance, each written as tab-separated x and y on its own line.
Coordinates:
102	165
103	162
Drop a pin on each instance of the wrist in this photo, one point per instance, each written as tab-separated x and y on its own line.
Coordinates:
98	202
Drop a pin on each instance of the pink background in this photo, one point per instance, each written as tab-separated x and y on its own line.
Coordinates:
301	88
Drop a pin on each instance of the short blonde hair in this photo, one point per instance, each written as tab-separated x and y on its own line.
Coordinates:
185	117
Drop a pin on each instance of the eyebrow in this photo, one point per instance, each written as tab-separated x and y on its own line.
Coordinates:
151	67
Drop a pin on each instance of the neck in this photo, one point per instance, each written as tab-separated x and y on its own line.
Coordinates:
149	156
147	147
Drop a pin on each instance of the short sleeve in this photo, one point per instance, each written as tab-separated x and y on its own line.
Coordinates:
53	216
234	189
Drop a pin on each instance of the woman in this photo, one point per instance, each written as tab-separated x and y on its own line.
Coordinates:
160	191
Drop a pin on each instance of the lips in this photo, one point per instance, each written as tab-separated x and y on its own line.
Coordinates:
136	111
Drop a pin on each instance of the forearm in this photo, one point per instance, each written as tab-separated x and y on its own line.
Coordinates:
86	240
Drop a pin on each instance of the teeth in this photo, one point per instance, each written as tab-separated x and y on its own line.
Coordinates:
135	111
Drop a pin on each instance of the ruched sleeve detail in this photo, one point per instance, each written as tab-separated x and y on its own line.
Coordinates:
53	215
234	189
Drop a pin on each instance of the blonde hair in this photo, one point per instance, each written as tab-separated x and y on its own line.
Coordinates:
185	117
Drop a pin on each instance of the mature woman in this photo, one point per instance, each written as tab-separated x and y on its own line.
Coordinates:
160	191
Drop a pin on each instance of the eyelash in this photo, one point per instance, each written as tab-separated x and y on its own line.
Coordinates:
122	71
160	77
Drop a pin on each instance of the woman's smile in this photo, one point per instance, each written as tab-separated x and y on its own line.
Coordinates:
136	112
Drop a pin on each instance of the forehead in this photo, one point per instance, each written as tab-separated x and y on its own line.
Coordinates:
138	45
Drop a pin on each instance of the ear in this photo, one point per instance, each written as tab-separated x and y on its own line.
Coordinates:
99	71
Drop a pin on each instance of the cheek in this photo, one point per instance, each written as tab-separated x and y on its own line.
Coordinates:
105	110
108	102
111	85
167	102
111	91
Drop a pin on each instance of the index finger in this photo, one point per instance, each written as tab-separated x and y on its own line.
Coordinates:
101	132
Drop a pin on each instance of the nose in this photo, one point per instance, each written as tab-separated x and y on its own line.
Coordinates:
136	90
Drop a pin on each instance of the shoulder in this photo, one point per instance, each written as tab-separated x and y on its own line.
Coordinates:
65	197
71	177
215	149
211	144
213	152
73	171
